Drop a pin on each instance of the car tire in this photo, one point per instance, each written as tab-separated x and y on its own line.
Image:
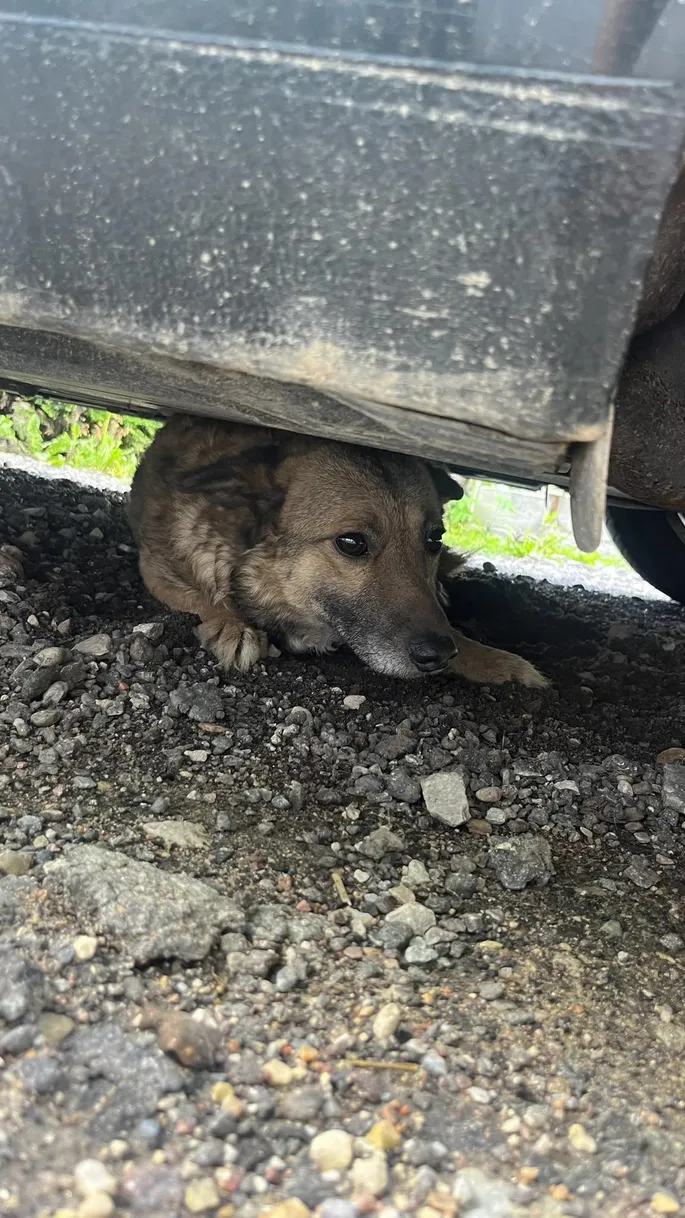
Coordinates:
654	545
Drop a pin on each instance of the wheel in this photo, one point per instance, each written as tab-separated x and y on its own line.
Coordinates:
654	545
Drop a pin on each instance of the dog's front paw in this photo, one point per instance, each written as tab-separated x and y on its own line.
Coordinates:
234	644
489	666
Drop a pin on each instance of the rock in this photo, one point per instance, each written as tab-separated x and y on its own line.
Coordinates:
43	1075
491	990
138	1070
668	756
523	860
673	792
206	704
97	647
387	1021
379	843
332	1150
581	1140
611	929
415	874
414	915
302	1104
335	1207
292	1208
149	913
672	942
664	1203
193	1043
91	1176
277	1073
403	787
384	1136
474	1191
489	795
51	657
37	683
183	833
445	797
392	747
201	1196
55	1028
14	1001
150	630
354	702
17	1040
85	947
370	1175
97	1205
13	862
419	952
641	874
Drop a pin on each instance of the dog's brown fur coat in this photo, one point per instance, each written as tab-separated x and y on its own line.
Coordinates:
236	524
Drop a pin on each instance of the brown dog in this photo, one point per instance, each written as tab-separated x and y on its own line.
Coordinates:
266	534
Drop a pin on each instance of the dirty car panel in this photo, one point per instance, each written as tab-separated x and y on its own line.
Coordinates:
420	226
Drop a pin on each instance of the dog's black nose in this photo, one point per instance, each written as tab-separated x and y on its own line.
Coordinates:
431	652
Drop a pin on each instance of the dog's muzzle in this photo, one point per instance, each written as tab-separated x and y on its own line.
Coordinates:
431	652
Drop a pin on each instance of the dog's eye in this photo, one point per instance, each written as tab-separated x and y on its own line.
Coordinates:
434	540
352	545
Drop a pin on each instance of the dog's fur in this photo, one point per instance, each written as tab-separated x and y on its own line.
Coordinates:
238	524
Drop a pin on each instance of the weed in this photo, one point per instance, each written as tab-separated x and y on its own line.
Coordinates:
64	434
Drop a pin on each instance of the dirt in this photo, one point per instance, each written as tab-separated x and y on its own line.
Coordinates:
534	1066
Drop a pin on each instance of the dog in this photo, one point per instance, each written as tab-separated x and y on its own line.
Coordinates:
268	535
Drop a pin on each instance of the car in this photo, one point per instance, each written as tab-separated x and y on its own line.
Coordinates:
452	230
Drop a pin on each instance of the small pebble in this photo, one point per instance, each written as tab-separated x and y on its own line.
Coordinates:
91	1176
277	1073
387	1021
581	1140
201	1196
332	1150
85	947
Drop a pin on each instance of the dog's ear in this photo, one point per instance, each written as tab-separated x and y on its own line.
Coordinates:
228	475
245	481
447	487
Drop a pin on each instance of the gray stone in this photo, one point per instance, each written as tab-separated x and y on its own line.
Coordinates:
392	935
379	843
392	747
18	1039
403	787
308	926
673	793
51	657
97	647
181	833
206	703
148	913
419	952
445	797
414	915
641	874
523	860
132	1062
15	893
14	1001
42	1074
38	682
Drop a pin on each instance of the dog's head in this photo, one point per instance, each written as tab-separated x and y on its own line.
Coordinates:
350	543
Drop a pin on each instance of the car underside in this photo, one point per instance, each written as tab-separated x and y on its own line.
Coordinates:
456	232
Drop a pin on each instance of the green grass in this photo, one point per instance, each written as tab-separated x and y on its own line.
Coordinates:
67	435
64	434
467	532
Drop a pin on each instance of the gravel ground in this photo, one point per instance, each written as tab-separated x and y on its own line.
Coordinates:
313	941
